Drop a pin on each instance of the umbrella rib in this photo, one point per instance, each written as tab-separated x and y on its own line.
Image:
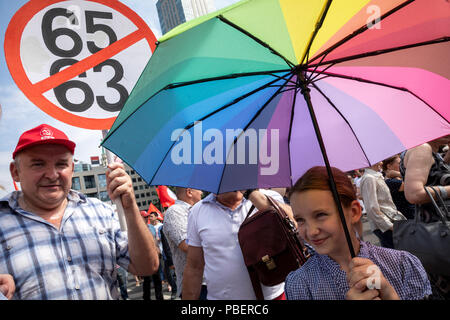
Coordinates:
312	78
230	76
385	85
345	119
264	44
309	79
131	92
209	115
316	80
306	94
246	127
238	99
181	84
383	51
316	30
361	30
290	132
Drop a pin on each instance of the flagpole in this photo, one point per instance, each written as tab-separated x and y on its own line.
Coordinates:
117	201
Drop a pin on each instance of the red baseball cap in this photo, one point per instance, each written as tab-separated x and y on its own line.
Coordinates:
43	134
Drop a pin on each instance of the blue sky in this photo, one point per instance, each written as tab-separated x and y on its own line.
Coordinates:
19	114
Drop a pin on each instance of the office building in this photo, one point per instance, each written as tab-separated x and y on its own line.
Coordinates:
174	12
91	180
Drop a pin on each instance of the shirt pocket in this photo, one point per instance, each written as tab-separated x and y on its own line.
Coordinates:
94	247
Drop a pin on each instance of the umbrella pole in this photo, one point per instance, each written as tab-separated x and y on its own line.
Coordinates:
305	91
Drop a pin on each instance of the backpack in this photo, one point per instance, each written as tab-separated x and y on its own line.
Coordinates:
271	246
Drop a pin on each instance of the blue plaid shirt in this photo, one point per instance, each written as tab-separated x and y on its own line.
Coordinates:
321	278
76	262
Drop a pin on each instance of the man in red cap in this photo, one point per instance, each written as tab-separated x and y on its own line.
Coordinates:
59	244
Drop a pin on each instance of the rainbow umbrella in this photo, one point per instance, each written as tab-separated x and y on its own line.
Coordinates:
257	93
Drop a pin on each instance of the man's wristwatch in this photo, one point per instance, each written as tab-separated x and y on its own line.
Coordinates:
248	192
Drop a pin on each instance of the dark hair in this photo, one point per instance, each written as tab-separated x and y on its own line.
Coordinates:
316	178
389	161
154	213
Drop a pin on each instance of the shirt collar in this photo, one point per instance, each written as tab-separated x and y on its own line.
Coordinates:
182	203
212	198
363	253
373	172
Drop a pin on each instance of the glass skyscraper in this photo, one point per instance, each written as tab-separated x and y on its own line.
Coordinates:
174	12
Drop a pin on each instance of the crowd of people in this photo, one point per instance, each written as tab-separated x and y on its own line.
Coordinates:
56	243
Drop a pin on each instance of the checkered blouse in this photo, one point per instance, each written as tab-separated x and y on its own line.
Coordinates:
321	278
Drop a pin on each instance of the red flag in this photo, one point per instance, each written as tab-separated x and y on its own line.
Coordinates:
164	196
152	208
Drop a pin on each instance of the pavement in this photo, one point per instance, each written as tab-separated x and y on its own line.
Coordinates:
135	291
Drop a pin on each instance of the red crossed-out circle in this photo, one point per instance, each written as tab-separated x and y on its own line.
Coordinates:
34	92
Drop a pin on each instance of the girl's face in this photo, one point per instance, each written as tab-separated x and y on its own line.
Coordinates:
319	223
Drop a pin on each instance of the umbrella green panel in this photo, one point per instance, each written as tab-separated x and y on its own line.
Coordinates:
288	26
199	158
151	127
264	20
194	22
209	50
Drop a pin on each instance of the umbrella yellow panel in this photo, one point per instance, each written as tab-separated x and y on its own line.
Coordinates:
301	17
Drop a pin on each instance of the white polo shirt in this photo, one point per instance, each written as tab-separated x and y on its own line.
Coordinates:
214	227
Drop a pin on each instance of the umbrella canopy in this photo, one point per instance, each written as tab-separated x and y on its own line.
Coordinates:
252	95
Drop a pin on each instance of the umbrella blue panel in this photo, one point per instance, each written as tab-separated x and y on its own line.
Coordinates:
273	167
175	108
203	175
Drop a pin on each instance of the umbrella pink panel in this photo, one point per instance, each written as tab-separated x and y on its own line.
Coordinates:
410	119
405	27
432	88
366	15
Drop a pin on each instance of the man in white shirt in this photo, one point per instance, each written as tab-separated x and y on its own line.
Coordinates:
214	249
175	228
381	210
